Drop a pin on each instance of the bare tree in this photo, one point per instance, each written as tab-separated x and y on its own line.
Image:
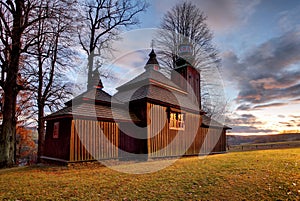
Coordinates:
16	19
49	60
185	24
102	21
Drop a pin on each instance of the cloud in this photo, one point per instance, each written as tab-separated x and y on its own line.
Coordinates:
269	72
269	105
247	123
288	19
297	100
292	121
225	15
288	124
244	119
245	107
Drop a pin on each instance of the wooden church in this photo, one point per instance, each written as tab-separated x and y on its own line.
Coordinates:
150	116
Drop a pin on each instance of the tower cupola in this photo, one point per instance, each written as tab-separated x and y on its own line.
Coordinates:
152	62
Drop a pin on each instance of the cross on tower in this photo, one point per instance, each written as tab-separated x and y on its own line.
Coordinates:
152	44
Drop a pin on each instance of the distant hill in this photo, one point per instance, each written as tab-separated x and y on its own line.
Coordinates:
254	139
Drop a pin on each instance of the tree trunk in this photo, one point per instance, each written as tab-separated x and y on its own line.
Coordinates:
8	133
90	70
41	132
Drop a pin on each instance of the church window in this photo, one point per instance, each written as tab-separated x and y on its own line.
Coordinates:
177	121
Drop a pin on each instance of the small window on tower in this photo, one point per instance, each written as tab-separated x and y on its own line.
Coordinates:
177	121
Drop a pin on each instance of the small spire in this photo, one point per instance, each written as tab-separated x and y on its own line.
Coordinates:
152	62
152	44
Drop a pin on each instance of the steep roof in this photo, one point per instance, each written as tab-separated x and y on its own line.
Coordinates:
94	103
95	95
156	93
154	86
89	110
148	77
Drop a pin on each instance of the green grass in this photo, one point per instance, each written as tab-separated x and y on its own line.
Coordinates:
255	175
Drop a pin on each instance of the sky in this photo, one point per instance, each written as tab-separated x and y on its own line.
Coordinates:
259	43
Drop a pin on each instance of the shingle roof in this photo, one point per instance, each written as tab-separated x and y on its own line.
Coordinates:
97	95
90	110
155	86
146	78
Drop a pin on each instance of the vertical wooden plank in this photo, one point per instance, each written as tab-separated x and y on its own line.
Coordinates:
101	150
90	138
76	138
149	144
107	136
112	144
99	137
75	141
80	139
93	142
117	140
72	142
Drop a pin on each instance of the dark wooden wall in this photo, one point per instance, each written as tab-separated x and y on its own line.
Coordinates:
133	142
58	147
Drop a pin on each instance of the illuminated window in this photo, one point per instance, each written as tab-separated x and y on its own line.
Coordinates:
177	121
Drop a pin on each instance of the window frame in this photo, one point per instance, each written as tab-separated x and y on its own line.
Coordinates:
176	120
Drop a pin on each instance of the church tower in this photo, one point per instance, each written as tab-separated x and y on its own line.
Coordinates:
184	73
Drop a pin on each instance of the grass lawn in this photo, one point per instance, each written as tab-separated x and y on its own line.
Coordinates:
253	175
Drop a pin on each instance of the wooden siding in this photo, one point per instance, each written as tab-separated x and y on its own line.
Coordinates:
193	140
93	140
214	141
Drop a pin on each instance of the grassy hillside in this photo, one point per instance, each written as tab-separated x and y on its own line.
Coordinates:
255	175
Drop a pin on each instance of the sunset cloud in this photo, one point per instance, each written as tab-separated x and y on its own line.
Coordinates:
269	72
227	15
247	123
269	105
223	15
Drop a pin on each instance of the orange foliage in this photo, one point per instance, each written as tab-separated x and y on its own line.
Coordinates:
26	147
